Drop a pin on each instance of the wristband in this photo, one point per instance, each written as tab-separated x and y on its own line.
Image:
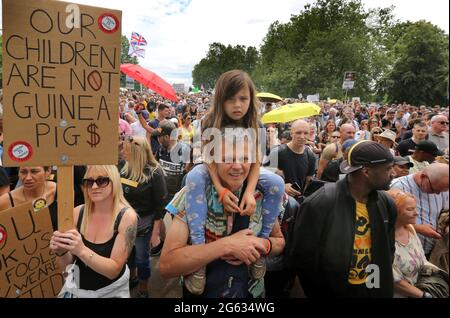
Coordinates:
222	194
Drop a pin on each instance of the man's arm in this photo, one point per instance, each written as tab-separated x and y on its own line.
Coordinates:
277	240
178	258
327	155
144	124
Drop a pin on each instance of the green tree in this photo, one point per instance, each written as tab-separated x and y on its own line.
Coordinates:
311	52
125	58
419	74
221	58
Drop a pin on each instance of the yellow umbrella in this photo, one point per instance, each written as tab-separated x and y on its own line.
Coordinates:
291	112
269	97
333	101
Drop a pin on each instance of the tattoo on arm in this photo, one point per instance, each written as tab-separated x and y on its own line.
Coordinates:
130	237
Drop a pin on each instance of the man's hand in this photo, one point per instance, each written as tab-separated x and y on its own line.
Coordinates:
291	191
427	230
244	246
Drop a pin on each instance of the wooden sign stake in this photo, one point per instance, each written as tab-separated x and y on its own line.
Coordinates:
65	198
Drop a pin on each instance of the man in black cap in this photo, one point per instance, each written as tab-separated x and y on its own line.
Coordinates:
402	166
425	153
342	241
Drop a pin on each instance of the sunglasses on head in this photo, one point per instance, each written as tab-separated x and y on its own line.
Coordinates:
126	138
101	182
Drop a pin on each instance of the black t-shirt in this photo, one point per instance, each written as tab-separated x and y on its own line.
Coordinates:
404	147
332	171
146	198
174	165
296	167
154	140
407	134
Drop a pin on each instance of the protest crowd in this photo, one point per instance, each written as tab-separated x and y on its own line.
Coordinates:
320	203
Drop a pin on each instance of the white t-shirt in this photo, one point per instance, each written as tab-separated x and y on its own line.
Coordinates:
137	129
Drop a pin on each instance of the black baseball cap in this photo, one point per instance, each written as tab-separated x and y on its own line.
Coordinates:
429	147
400	161
164	129
365	153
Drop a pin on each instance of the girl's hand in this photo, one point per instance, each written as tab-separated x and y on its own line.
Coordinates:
248	204
230	202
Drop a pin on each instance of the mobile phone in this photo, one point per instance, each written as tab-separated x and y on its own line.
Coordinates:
296	187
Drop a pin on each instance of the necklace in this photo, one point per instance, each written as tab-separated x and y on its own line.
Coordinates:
40	202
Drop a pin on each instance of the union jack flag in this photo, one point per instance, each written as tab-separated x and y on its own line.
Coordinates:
137	39
136	51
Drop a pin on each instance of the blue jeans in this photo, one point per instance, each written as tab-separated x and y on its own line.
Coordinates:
142	257
272	186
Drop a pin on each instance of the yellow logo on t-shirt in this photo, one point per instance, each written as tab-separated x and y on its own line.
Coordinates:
362	246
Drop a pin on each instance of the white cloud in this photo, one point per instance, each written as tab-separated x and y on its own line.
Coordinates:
179	31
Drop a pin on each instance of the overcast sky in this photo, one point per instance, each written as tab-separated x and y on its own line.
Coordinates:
180	31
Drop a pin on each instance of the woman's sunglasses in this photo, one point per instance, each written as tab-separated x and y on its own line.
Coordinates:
101	182
376	132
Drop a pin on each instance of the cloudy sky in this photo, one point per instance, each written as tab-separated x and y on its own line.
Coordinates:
180	31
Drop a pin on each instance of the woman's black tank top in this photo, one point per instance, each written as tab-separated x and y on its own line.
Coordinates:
89	279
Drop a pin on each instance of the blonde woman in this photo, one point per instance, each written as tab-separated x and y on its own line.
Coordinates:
145	189
102	239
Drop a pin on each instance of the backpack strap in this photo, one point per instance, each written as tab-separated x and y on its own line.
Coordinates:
80	218
11	199
118	219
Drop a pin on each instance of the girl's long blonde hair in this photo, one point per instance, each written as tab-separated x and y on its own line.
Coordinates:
140	161
112	173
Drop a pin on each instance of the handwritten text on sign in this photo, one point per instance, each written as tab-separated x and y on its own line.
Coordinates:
27	266
61	84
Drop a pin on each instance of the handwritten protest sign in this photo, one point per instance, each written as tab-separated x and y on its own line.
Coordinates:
28	268
61	82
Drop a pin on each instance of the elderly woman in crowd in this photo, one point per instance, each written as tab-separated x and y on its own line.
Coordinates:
409	259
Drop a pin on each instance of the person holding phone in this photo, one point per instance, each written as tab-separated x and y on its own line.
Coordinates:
296	163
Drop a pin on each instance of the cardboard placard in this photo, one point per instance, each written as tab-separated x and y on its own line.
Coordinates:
28	268
61	78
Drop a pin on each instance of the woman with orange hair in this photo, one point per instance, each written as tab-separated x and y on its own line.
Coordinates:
409	259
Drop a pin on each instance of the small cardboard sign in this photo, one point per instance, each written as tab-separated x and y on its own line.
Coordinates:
61	77
349	80
28	268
